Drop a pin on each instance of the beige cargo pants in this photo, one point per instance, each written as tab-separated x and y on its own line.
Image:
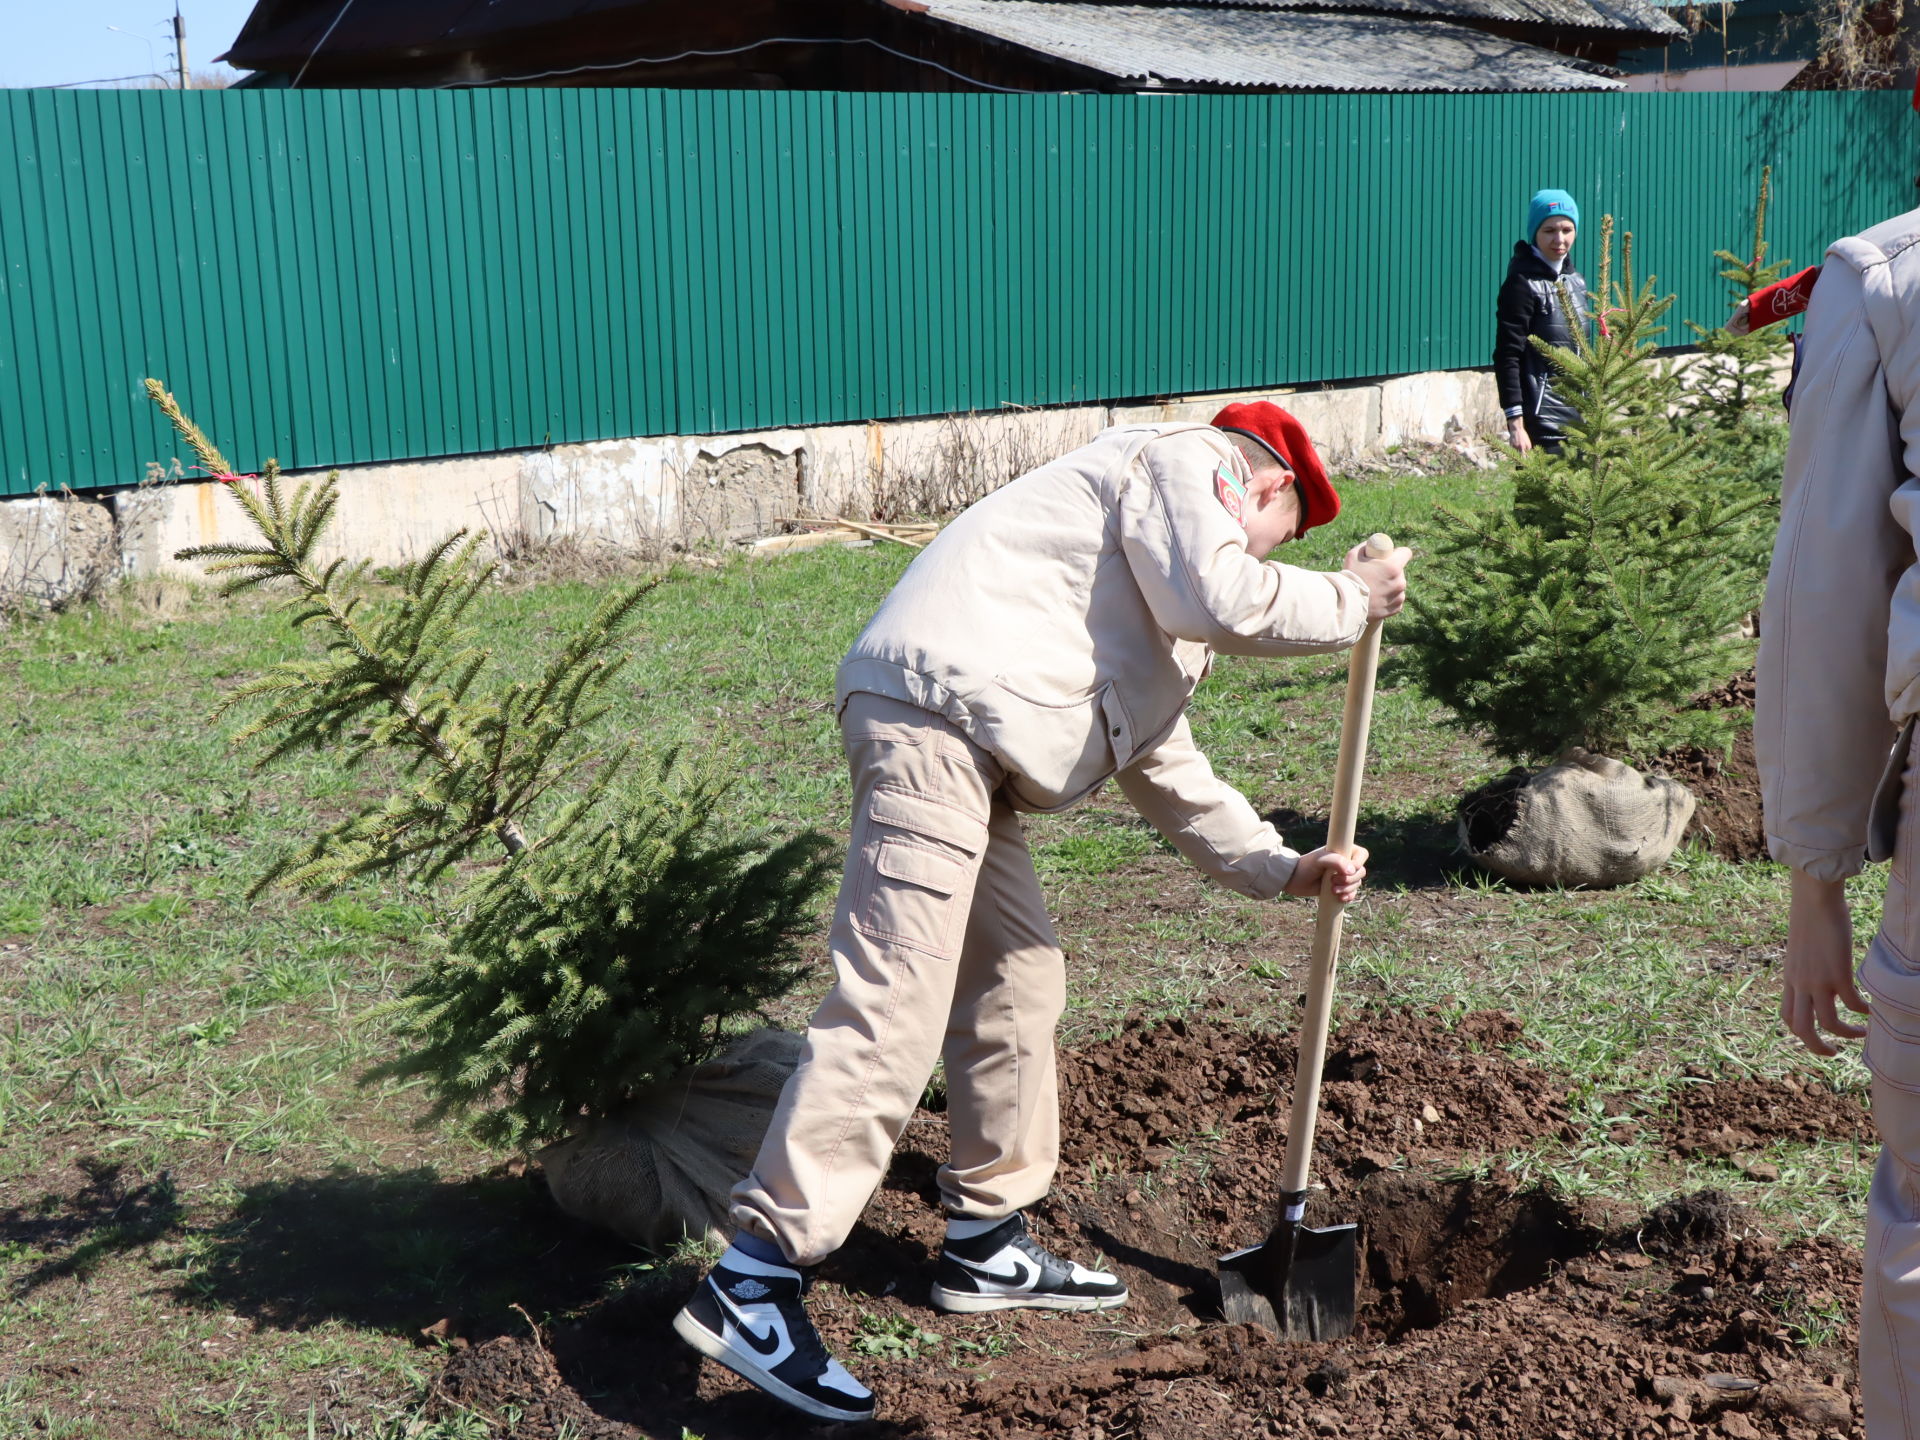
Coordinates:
1890	1308
941	948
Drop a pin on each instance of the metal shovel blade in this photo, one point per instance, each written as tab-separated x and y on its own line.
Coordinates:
1302	1284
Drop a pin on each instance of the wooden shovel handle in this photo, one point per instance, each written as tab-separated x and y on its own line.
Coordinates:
1355	721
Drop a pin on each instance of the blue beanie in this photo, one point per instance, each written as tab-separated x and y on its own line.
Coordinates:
1550	205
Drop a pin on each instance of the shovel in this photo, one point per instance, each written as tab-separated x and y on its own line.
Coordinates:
1303	1281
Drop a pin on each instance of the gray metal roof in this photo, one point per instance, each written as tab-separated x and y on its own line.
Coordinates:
1281	49
1575	14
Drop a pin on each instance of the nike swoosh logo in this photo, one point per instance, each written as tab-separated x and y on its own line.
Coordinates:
1015	1276
761	1345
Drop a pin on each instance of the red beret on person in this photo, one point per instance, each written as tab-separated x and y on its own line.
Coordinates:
1286	438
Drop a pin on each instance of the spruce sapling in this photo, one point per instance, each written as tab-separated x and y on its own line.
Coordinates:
1741	378
615	939
1592	604
1732	398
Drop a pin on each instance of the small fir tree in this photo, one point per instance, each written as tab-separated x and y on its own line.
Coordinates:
616	939
1592	604
1741	376
1732	400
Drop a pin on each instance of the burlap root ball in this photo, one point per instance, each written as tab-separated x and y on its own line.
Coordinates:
661	1169
1584	821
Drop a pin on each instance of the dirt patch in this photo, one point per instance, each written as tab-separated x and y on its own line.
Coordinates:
1543	1326
1727	819
1737	693
1398	1084
516	1384
1726	1118
1485	1310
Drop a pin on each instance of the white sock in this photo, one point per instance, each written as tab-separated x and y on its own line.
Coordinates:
959	1228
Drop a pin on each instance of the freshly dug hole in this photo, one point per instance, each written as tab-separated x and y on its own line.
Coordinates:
1429	1246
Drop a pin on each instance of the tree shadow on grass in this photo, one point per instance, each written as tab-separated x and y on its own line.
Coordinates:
401	1251
72	1235
1406	852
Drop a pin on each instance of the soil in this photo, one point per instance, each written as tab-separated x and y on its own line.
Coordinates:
1398	1086
1484	1310
1729	1118
1727	819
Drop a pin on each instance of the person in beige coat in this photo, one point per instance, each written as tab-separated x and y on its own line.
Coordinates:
1839	686
1046	642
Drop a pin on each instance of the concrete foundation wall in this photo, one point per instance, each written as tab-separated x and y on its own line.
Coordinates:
688	491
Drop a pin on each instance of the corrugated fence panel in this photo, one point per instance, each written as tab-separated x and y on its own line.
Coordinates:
342	276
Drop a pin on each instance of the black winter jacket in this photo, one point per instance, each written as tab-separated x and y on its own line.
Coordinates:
1530	305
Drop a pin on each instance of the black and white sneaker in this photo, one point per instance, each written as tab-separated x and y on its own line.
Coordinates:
751	1317
1005	1270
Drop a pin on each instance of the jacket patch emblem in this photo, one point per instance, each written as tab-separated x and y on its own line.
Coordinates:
1231	494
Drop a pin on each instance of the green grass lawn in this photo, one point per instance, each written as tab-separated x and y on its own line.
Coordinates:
211	1229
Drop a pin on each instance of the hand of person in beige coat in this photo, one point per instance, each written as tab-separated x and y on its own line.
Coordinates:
1348	871
1817	975
1385	579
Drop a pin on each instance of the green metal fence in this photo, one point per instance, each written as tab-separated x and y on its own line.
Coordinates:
345	276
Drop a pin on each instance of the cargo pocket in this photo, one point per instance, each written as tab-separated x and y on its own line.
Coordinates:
916	886
1118	725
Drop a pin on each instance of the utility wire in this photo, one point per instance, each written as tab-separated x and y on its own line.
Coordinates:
705	54
110	80
320	42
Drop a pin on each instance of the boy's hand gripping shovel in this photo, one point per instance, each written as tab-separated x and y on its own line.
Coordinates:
1302	1282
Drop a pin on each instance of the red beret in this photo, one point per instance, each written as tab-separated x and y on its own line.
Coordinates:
1287	438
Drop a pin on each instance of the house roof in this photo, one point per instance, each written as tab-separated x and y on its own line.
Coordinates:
1355	45
1640	15
1213	45
283	31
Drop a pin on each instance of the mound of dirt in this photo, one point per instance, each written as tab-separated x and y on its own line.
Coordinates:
1486	1311
515	1383
1730	1117
1398	1084
1727	819
1550	1329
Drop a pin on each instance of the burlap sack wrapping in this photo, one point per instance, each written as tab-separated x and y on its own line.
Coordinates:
1585	820
662	1169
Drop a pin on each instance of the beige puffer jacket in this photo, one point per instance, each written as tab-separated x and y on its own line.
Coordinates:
1063	622
1840	631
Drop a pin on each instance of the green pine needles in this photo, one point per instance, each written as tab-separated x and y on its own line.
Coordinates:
615	938
1743	382
1589	607
585	973
1732	398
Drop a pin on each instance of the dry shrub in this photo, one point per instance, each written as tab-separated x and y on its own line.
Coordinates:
64	554
967	459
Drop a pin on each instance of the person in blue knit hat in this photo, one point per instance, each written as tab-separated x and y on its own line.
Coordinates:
1530	304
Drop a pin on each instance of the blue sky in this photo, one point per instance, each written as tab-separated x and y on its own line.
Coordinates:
58	43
